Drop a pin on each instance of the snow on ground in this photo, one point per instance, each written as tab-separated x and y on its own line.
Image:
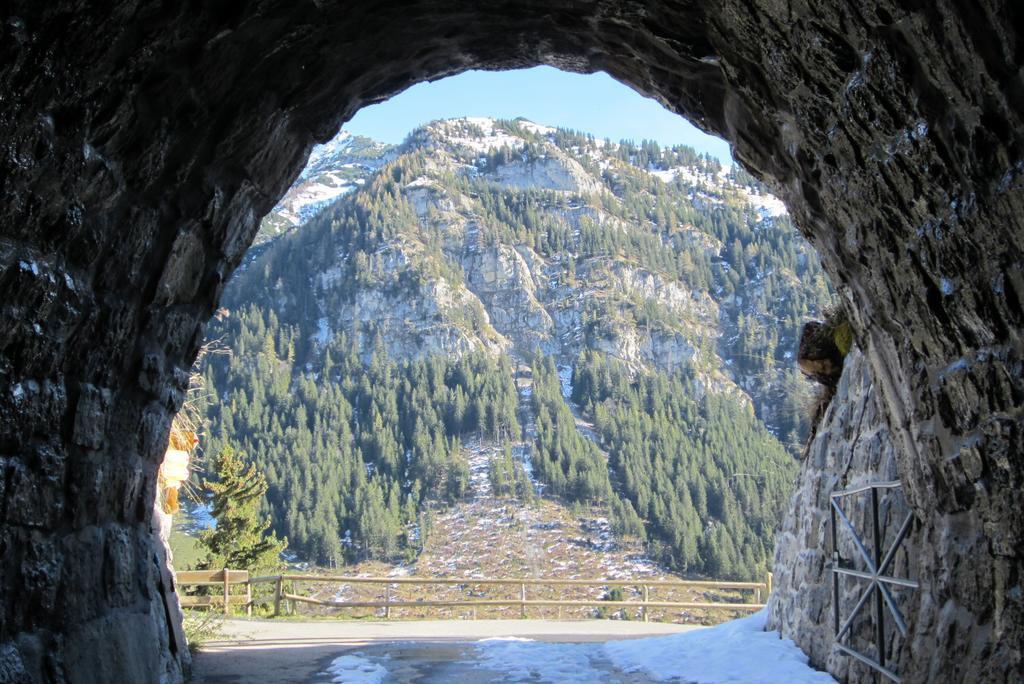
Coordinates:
665	175
539	129
351	669
565	379
479	457
736	652
766	205
523	660
493	138
311	198
331	148
739	651
693	176
323	332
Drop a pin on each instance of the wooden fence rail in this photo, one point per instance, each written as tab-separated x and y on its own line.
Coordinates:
227	578
216	578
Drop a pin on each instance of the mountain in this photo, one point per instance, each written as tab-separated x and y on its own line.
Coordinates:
333	170
614	323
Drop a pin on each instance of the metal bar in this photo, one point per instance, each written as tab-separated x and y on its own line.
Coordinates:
897	614
876	533
898	581
835	564
877	563
856	609
869	662
856	538
887	484
904	528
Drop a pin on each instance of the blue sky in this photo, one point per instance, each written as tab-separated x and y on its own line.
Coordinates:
594	103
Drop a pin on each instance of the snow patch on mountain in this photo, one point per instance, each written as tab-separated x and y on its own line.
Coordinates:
766	205
539	129
325	153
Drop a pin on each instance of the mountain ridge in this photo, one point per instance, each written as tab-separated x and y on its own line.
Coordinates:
513	240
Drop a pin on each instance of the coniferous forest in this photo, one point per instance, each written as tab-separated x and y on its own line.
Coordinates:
369	345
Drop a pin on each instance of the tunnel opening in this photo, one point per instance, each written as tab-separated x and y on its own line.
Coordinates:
499	225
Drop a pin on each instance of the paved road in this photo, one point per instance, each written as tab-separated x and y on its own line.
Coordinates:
290	652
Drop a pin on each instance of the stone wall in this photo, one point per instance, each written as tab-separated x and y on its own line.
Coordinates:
141	142
852	447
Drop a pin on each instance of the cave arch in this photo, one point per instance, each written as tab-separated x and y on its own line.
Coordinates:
142	144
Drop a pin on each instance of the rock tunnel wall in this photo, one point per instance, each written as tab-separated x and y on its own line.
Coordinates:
141	142
852	446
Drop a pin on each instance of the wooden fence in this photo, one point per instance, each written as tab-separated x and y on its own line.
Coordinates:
284	592
216	578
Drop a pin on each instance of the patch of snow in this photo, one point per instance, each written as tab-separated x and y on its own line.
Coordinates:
420	182
537	661
766	205
668	176
565	379
505	638
301	206
738	652
492	139
535	128
323	333
331	148
692	176
351	669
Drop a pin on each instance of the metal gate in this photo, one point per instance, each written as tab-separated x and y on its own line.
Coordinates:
875	562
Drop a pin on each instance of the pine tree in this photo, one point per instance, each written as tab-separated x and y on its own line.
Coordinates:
240	540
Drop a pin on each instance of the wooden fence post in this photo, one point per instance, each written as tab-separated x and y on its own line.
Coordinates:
768	581
227	594
277	596
295	604
522	600
647	597
387	601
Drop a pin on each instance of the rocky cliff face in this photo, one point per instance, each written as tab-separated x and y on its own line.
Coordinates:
143	143
511	236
